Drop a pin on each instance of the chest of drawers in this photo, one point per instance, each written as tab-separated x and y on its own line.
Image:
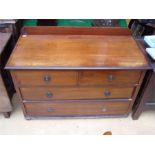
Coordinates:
76	72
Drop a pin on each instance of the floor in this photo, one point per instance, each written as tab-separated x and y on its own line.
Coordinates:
119	126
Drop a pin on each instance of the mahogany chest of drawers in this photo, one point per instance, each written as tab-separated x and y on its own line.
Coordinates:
76	72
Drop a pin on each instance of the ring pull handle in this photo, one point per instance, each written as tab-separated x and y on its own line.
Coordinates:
47	78
104	109
111	77
107	93
51	110
49	94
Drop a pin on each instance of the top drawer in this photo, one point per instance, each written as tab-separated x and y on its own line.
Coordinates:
72	78
109	77
45	78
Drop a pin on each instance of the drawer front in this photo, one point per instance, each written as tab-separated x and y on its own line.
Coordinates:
61	93
76	108
109	77
45	78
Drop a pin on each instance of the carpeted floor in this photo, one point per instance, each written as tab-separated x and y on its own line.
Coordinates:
119	126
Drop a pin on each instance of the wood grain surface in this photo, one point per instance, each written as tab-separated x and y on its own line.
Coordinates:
48	93
74	78
76	108
76	52
60	30
109	77
45	78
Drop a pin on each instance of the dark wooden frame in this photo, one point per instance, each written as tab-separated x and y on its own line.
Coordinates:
148	85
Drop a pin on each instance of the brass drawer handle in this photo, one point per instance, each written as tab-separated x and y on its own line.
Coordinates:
51	110
104	109
107	93
111	77
49	94
47	78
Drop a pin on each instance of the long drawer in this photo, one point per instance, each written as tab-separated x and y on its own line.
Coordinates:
45	78
76	108
109	77
62	93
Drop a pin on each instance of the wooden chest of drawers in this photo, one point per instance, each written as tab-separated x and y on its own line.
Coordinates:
74	72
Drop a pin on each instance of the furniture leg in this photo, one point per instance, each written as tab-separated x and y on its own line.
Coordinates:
7	114
137	112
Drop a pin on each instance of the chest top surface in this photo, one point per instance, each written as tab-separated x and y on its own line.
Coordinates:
76	52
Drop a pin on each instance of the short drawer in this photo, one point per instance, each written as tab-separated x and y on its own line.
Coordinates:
109	77
61	93
82	108
45	78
